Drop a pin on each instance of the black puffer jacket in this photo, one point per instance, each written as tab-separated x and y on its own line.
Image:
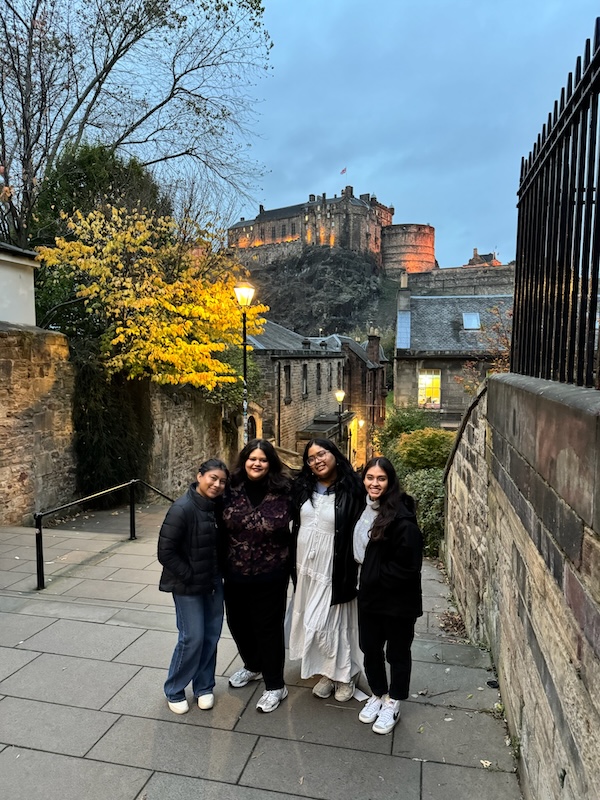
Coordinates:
390	577
187	545
348	505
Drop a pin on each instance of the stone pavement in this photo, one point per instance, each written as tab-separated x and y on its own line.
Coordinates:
83	717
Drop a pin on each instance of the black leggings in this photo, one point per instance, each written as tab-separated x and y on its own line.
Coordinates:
374	631
255	614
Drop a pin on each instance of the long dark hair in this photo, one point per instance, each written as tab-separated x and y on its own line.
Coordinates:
391	501
346	477
276	478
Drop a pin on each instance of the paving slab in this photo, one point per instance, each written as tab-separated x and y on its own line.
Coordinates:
305	718
174	787
450	654
107	589
142	696
10	578
16	628
128	561
42	607
31	773
95	572
85	639
133	576
181	749
54	728
13	602
455	686
54	585
331	773
151	595
12	661
452	736
443	781
152	618
78	682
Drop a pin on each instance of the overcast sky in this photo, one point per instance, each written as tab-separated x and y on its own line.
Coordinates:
428	104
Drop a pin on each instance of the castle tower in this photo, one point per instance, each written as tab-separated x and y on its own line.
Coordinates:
407	247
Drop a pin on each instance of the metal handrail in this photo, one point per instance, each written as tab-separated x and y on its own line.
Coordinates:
39	518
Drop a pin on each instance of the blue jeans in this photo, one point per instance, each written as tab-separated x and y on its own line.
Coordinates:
199	621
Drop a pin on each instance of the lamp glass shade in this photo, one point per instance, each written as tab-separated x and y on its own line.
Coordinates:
339	396
244	292
361	423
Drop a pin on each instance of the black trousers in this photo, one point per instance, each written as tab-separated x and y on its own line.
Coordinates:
374	631
255	615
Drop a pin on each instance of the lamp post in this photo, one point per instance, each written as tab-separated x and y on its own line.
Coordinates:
339	396
244	292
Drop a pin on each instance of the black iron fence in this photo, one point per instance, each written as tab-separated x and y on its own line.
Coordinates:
558	237
39	518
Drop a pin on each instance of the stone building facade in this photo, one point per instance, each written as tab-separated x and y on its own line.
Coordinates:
523	554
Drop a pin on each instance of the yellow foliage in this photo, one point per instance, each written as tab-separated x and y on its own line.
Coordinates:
165	296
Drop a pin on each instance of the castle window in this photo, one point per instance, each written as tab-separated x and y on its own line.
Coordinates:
283	230
262	234
340	381
273	233
287	382
306	218
304	380
330	378
318	379
293	228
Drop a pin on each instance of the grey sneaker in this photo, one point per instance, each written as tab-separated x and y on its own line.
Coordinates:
388	716
242	677
323	688
344	691
370	710
270	699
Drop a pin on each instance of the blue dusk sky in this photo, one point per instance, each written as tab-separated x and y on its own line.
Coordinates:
428	104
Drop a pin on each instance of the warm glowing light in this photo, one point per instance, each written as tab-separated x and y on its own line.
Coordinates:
244	292
361	423
339	395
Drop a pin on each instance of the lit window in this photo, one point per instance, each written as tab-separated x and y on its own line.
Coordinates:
430	388
471	321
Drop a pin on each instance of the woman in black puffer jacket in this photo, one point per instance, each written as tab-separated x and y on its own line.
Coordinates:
187	550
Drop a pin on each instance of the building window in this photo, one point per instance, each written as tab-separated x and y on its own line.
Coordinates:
318	379
330	378
304	380
471	321
430	388
287	383
293	228
340	383
273	233
283	231
262	234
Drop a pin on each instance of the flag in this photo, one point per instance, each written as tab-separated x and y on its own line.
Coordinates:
343	172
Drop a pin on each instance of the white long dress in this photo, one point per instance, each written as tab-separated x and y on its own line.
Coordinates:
323	636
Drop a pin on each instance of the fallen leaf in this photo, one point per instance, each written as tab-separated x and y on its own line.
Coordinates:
301	781
448	719
469	696
485	764
421	729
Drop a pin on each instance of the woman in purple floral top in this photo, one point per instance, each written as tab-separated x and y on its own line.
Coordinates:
256	519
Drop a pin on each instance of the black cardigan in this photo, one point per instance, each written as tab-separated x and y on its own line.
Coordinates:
348	505
187	545
390	577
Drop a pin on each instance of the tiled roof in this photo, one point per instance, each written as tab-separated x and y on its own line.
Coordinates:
276	337
436	323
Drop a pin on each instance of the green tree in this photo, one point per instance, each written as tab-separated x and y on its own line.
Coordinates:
427	487
402	419
164	80
428	448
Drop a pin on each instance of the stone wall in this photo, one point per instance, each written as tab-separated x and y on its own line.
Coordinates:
463	280
37	469
523	553
186	431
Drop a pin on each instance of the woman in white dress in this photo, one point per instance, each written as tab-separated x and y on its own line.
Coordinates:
328	499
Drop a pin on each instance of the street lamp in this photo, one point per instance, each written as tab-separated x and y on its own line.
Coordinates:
244	292
339	396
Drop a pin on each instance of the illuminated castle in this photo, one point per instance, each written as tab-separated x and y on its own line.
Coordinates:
354	223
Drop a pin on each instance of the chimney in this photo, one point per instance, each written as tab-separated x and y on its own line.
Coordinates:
349	191
475	253
261	209
373	346
306	344
324	198
242	219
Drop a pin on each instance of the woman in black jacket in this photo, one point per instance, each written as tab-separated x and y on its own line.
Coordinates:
327	499
187	550
389	545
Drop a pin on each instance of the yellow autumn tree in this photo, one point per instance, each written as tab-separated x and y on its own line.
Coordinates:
162	292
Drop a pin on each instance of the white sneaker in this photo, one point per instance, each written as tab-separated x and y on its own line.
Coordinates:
181	707
323	688
270	699
370	710
344	691
206	701
388	716
242	677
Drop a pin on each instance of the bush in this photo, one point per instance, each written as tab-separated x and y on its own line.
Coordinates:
427	487
428	448
403	419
